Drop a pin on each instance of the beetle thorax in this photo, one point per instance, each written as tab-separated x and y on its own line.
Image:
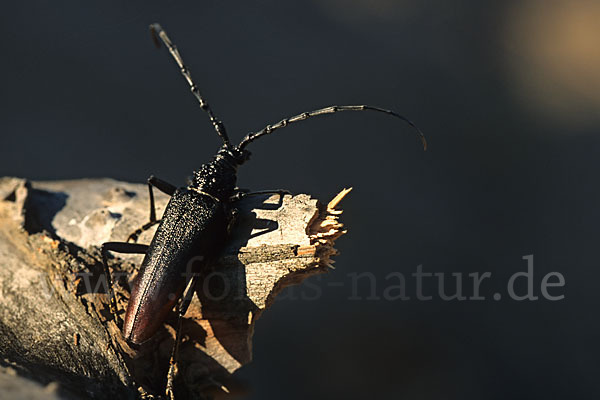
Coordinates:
217	178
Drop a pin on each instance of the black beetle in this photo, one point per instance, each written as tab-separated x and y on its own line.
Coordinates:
195	222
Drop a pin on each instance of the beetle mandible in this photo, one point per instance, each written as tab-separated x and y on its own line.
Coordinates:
195	221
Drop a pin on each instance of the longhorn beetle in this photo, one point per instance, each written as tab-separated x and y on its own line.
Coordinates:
194	224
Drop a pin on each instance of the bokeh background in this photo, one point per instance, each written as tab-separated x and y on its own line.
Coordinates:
508	94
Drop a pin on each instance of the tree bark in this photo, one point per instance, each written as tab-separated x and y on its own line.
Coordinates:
55	324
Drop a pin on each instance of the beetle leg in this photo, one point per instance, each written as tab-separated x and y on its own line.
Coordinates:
182	307
232	219
164	187
161	185
118	247
136	234
241	194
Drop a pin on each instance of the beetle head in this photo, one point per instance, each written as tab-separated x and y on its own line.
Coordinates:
234	154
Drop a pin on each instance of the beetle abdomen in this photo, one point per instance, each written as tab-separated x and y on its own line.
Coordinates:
193	229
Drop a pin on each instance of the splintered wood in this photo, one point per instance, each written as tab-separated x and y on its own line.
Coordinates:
298	245
327	228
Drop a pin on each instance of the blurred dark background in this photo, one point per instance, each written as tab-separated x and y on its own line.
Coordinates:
508	94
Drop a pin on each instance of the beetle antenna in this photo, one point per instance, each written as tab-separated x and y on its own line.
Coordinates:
323	111
156	31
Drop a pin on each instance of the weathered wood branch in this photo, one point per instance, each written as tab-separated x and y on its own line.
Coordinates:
54	320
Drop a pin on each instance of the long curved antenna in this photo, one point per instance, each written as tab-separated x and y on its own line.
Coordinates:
156	32
322	111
